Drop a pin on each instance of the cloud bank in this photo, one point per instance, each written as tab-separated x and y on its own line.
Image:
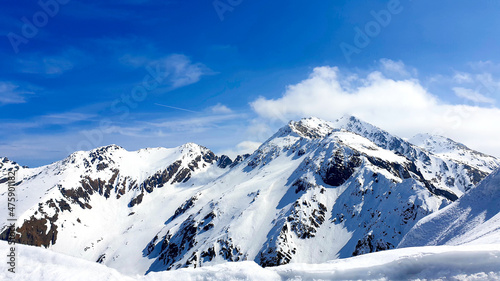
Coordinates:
403	107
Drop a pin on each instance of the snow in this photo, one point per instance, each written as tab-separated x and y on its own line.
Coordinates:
447	164
477	262
108	226
252	203
472	219
447	148
366	146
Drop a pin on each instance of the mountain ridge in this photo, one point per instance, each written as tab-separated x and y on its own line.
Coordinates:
346	185
472	219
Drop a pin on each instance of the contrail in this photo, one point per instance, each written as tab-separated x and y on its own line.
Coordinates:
178	108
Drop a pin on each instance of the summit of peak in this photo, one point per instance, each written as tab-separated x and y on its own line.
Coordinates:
192	145
107	148
112	147
445	146
431	141
96	151
349	118
192	148
311	127
354	124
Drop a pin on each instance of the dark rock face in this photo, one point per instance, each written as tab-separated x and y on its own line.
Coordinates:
409	213
339	169
182	176
406	170
224	161
161	178
34	231
396	169
369	245
184	207
476	176
306	131
304	219
76	196
89	186
136	201
276	256
302	185
304	225
227	250
101	258
209	157
239	159
175	246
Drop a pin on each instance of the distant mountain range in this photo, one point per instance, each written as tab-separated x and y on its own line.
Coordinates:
315	191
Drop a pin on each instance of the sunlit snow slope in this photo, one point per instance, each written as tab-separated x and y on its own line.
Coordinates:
315	191
472	219
424	263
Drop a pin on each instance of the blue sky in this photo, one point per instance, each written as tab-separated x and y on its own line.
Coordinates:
225	74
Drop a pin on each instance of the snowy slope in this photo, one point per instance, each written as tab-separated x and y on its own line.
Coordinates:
425	263
102	204
308	185
473	219
444	163
315	191
447	148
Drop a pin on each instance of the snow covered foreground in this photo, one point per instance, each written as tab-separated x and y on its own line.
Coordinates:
472	219
478	262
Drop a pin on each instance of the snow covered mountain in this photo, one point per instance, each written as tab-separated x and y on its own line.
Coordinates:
472	219
446	164
448	148
94	201
315	191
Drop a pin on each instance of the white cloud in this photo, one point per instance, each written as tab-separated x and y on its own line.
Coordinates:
395	67
182	71
220	109
403	107
241	148
462	77
472	95
248	146
173	71
11	94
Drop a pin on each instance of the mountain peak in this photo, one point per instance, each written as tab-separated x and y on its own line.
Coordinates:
349	118
436	143
311	127
191	145
356	125
375	134
451	149
346	186
108	148
6	164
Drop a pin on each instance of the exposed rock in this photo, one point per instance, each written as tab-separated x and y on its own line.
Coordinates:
369	245
224	161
